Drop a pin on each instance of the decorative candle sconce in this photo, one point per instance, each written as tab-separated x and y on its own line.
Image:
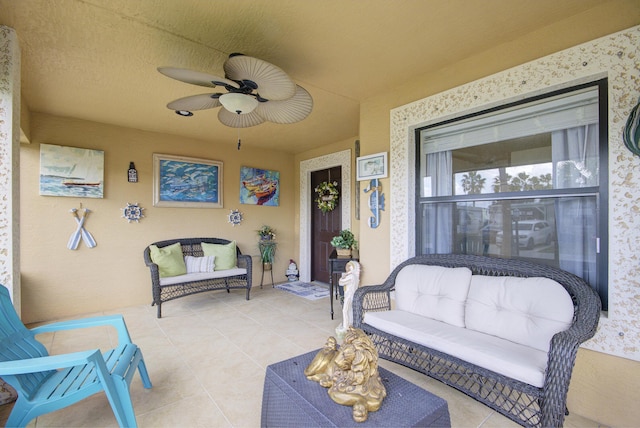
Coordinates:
133	174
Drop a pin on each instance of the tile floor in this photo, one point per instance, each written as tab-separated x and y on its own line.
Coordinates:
207	357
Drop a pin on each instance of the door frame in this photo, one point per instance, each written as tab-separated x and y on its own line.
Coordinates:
342	159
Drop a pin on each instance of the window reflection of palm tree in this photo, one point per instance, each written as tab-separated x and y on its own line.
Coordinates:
473	183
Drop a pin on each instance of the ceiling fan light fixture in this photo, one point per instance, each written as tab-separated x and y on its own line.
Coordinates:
238	103
184	113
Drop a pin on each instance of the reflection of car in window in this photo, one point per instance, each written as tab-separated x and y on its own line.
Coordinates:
531	233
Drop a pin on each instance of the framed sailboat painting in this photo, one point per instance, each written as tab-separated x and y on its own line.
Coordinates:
71	171
259	186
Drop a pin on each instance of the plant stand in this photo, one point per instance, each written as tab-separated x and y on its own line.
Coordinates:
267	267
267	249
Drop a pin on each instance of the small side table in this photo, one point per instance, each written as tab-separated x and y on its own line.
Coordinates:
338	264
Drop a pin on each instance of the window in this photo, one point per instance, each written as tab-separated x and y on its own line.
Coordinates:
526	180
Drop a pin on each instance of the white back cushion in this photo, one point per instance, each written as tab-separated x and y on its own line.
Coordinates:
434	291
528	311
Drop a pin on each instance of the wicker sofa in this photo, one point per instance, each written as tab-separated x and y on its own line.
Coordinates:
173	287
508	336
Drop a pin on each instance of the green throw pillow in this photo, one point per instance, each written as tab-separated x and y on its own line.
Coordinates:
225	254
169	260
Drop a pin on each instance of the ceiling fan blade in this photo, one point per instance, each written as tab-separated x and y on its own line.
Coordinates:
289	111
273	83
235	120
196	77
194	102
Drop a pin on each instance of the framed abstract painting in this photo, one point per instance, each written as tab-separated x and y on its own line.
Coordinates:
259	186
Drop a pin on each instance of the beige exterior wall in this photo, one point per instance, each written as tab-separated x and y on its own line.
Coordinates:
58	282
604	388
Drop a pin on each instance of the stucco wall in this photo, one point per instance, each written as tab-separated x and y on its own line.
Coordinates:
58	282
9	160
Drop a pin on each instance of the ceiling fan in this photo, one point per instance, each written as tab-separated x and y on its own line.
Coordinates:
255	91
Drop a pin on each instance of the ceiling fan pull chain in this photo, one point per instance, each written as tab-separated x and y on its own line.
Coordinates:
239	142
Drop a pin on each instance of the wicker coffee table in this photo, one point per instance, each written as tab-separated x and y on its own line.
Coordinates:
290	400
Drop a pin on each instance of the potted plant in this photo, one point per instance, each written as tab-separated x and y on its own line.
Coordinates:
344	243
267	246
267	254
267	233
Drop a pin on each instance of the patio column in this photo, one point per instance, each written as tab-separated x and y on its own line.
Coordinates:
10	163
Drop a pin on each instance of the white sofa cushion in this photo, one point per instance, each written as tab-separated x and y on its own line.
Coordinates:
493	353
199	276
434	291
528	311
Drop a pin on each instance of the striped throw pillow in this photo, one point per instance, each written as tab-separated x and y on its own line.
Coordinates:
199	264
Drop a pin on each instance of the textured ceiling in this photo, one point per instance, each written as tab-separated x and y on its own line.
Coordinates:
97	59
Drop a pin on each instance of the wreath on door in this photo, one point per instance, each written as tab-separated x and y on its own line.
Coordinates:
327	195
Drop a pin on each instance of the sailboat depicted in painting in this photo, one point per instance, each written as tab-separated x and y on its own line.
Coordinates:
87	172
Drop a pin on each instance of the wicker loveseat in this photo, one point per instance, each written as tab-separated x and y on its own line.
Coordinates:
164	289
507	337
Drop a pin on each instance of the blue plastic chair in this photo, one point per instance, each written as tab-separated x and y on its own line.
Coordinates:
47	383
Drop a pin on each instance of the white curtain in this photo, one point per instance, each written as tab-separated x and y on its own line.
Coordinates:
438	217
575	164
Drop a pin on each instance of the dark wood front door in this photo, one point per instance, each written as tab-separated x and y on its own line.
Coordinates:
324	226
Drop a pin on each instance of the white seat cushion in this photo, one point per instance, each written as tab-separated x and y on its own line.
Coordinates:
528	311
511	359
199	276
434	291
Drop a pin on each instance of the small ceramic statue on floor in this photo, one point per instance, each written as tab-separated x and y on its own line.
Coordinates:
350	373
292	271
350	281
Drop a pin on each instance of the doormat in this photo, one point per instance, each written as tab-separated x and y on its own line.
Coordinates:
304	289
